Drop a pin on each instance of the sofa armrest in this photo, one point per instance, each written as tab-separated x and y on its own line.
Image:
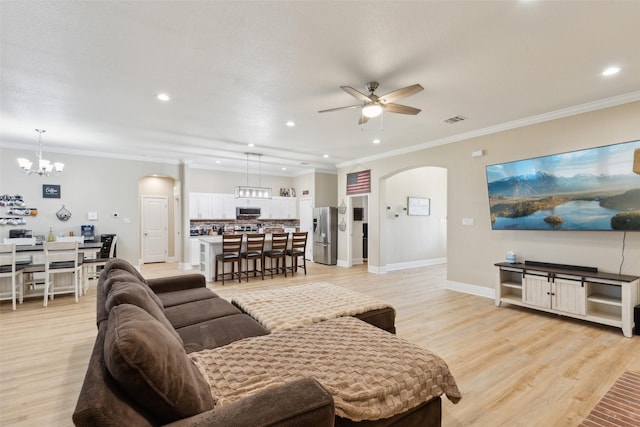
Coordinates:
177	283
298	403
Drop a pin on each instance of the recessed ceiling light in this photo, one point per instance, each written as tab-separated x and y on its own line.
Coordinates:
252	145
218	162
611	71
326	156
284	169
163	97
291	123
376	141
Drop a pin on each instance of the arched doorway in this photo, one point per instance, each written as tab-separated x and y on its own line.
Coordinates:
405	240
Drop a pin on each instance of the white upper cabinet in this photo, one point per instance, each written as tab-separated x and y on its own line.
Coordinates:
223	206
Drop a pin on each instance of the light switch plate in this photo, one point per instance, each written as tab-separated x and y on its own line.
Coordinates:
467	221
92	216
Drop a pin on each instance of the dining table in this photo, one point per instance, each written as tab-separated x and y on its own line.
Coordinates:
32	259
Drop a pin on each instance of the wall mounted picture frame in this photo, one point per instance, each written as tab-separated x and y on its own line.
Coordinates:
419	206
50	191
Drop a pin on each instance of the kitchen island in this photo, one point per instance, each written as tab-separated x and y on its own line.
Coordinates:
210	246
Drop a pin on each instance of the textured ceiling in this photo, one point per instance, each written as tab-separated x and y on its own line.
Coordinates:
88	73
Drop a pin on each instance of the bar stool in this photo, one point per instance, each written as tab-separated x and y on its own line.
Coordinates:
231	249
255	253
61	257
92	267
11	273
278	250
298	249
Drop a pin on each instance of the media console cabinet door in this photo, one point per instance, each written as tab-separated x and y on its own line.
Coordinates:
569	296
536	291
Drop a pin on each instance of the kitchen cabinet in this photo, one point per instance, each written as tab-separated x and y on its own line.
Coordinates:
605	298
195	251
284	208
223	206
200	206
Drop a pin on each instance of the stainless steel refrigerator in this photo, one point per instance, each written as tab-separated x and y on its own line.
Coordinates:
325	235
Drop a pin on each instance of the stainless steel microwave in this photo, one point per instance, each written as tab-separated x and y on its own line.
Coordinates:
246	211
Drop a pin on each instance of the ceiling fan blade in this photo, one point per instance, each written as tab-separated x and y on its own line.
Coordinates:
400	93
356	94
401	109
363	119
340	108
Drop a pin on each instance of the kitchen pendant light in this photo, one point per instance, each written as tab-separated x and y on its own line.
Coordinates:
251	192
44	167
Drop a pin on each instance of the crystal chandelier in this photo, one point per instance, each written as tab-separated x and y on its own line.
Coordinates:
249	192
45	167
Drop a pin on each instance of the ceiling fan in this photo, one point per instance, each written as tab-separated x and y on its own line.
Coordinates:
373	105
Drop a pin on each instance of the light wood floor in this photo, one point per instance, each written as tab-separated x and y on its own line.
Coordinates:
515	367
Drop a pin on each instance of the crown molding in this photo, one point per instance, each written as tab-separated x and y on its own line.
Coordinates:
540	118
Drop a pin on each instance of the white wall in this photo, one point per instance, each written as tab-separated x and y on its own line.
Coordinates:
88	184
415	240
473	250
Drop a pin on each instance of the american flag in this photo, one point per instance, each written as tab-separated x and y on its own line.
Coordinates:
359	182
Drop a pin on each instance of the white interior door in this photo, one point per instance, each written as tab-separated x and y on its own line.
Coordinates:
155	229
306	224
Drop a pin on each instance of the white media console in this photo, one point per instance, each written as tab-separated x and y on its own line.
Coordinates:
579	292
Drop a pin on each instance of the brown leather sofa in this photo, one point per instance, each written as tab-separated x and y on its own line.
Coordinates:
139	373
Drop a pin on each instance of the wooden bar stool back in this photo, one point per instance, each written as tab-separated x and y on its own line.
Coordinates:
231	250
254	252
297	250
278	252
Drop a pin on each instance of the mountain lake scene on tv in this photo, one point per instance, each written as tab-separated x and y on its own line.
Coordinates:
593	189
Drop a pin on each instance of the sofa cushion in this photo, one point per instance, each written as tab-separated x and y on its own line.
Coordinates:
218	332
195	312
152	367
120	264
170	299
141	296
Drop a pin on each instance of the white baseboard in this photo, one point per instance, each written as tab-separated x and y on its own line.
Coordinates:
343	263
375	269
481	291
185	266
414	264
357	261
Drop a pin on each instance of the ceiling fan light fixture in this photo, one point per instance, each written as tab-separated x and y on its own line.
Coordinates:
372	110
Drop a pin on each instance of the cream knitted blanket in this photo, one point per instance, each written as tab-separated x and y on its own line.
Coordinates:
292	306
370	373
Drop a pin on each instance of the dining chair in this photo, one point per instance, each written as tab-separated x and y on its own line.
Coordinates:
91	267
10	274
254	252
60	258
278	252
297	250
231	250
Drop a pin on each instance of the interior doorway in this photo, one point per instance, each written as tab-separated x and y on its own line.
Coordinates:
155	229
359	219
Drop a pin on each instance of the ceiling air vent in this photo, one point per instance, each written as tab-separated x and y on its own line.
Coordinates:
455	119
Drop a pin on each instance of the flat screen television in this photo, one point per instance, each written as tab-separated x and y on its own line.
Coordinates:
591	189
